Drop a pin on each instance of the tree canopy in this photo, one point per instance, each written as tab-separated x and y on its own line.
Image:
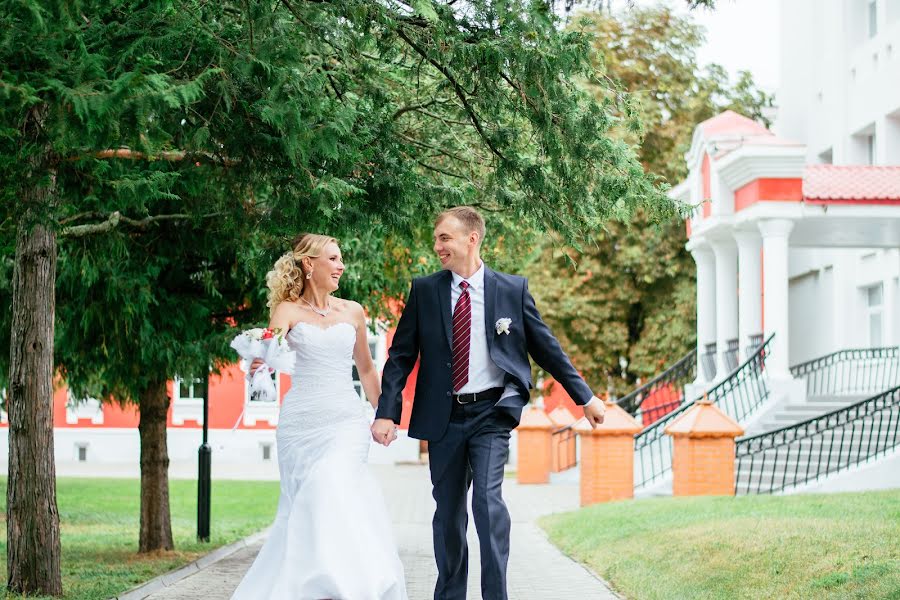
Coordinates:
189	141
632	293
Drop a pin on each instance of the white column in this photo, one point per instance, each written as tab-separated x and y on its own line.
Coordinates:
890	314
706	303
749	246
775	234
726	300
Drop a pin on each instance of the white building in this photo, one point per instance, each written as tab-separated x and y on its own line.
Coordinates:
797	229
796	232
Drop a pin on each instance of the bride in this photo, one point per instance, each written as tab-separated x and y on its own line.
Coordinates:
332	537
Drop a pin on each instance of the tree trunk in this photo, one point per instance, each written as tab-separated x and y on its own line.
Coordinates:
156	521
32	517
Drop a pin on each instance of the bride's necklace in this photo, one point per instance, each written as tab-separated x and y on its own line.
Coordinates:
319	311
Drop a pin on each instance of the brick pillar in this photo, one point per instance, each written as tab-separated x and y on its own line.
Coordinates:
703	451
562	451
607	457
534	432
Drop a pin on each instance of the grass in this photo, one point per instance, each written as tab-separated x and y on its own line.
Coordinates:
99	521
804	546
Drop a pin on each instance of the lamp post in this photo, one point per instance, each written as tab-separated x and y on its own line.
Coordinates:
204	473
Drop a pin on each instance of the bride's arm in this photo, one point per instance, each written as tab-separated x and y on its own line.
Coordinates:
368	376
280	320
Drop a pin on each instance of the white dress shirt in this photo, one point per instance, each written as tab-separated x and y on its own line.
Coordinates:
483	373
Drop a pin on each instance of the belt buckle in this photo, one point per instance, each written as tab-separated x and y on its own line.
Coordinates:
474	398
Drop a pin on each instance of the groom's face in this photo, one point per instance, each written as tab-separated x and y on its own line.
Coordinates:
454	245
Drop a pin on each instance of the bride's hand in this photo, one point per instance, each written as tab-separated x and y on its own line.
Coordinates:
257	363
384	431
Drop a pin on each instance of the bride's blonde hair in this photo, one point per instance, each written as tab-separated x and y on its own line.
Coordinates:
287	278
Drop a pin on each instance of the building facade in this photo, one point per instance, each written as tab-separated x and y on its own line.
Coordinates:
796	230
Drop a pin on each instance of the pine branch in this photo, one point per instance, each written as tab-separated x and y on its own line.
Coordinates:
169	155
117	218
457	89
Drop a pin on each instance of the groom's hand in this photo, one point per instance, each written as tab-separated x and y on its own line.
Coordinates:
595	412
384	431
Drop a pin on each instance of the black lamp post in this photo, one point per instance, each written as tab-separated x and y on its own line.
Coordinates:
204	476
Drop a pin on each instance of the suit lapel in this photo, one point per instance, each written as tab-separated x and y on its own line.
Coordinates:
490	299
443	292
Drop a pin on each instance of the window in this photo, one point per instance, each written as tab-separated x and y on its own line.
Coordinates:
190	389
81	452
873	18
875	311
266	451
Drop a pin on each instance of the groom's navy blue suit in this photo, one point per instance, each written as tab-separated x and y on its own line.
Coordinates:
470	443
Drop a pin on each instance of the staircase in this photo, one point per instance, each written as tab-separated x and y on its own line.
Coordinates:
741	395
820	447
793	413
850	419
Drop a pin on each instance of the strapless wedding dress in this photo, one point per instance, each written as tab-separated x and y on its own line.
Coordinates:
332	537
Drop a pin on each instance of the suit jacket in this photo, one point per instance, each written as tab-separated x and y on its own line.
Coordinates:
424	333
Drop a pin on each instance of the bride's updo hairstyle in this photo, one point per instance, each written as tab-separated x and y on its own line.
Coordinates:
287	278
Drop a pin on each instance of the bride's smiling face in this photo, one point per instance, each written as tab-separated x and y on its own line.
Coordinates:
327	268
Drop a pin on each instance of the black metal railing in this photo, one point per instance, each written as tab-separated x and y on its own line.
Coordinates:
662	394
836	441
738	395
850	372
708	362
755	341
564	442
730	356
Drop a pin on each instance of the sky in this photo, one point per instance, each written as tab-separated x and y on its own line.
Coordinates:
740	35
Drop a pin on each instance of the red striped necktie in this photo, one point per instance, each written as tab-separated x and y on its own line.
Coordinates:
462	334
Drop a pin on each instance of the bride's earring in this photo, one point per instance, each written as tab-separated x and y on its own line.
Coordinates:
309	275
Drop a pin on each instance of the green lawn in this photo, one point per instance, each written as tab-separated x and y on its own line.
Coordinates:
99	529
804	546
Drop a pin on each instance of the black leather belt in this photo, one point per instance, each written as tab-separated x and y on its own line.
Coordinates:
492	394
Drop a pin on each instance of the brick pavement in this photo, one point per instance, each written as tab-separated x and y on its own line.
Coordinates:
537	570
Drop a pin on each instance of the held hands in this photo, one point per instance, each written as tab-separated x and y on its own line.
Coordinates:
384	431
595	412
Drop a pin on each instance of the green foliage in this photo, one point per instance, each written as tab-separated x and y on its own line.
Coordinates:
631	293
189	141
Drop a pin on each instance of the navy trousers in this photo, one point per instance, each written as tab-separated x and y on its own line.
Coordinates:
472	453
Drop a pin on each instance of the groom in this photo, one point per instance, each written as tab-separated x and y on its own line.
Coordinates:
472	329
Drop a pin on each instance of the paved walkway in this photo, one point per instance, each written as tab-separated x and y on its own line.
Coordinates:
537	570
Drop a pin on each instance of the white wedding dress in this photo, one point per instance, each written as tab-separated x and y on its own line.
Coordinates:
332	537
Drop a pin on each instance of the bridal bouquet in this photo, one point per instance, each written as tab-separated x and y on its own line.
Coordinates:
272	348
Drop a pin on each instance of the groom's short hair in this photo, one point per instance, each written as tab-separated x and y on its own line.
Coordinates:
468	216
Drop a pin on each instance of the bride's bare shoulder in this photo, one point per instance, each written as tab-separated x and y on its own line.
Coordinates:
348	306
286	313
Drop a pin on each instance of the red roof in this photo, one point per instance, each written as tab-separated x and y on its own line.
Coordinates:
856	182
730	122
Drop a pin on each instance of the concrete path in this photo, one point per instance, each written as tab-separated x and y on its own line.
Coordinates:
537	570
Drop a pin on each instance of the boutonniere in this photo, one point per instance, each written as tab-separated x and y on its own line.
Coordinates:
502	325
